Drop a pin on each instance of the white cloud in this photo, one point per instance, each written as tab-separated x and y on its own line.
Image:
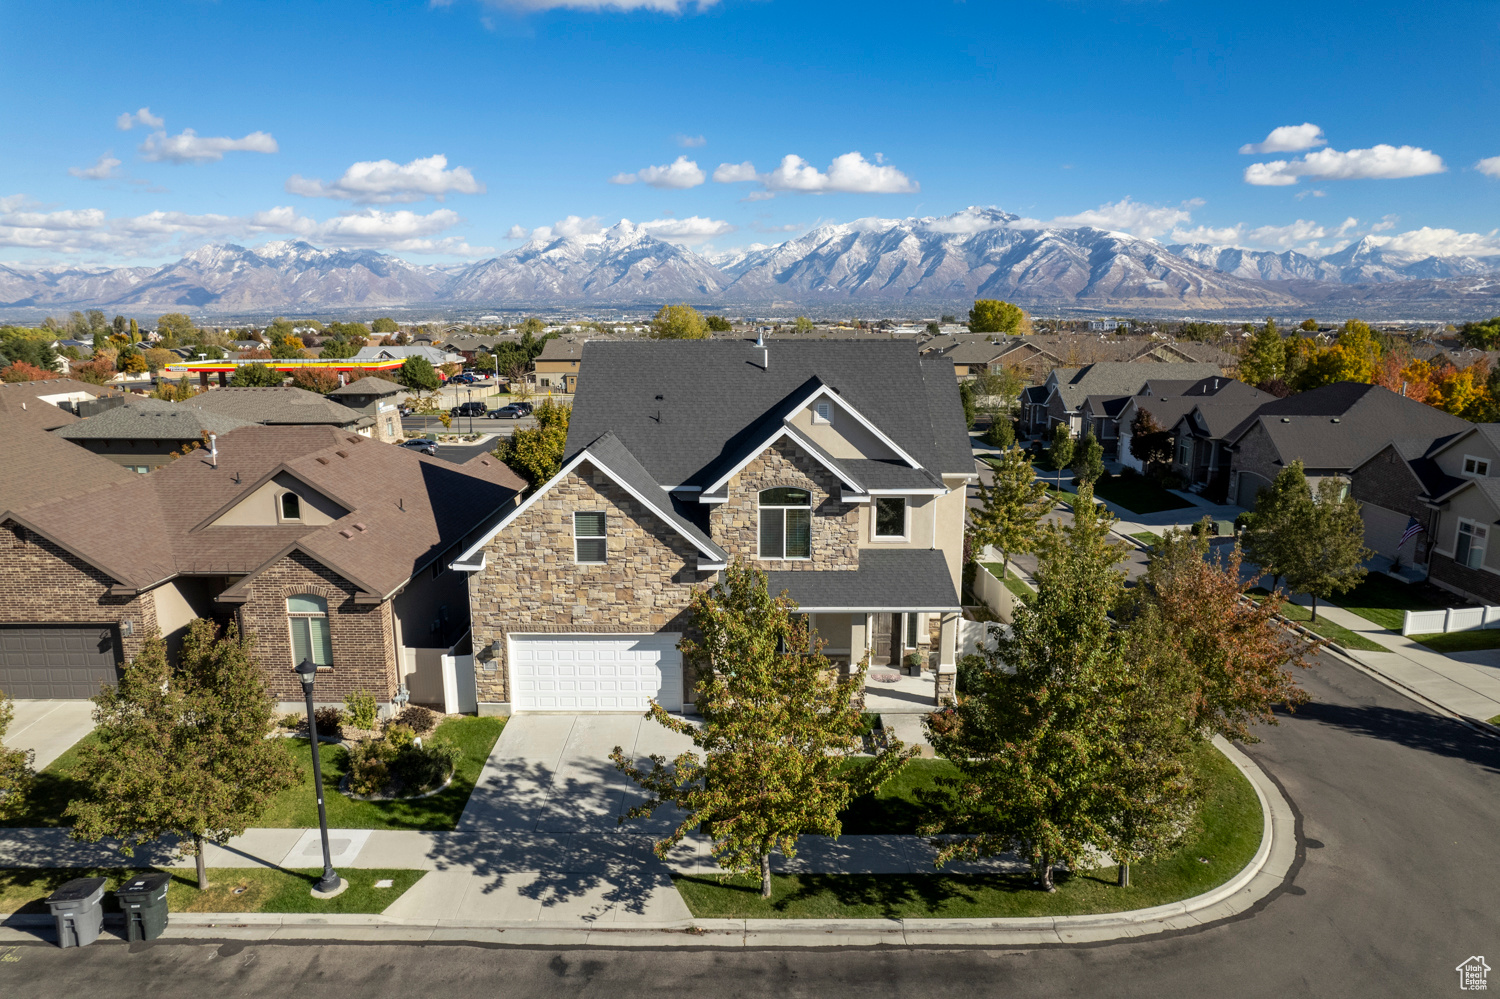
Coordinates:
689	141
130	119
733	173
1214	236
1311	192
384	181
102	170
1381	162
1133	217
189	147
678	175
1288	139
691	230
1386	222
759	196
660	6
850	173
1490	166
1443	242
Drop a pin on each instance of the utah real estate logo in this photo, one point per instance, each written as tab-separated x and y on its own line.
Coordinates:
1471	974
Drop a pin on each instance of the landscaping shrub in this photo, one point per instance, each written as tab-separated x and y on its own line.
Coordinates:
360	710
419	719
1129	473
369	767
399	736
330	720
1000	434
419	768
293	720
969	668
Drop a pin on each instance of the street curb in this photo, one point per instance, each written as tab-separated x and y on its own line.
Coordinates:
1264	874
1478	724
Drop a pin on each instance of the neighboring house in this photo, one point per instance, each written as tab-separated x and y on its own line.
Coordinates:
143	434
378	399
1197	415
322	545
284	406
838	467
556	367
1067	389
1331	430
52	403
40	466
437	356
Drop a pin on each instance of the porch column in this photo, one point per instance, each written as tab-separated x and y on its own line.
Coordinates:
947	670
858	643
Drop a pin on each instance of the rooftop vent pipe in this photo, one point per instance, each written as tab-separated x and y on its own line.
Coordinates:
213	450
765	352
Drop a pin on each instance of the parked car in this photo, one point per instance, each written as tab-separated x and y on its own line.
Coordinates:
421	445
467	409
514	411
466	378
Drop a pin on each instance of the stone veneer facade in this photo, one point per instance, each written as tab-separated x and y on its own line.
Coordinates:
364	651
735	524
41	583
532	583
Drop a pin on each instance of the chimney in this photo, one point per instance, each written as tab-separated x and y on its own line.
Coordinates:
213	450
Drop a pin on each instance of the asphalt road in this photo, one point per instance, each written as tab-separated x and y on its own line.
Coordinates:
1396	882
482	425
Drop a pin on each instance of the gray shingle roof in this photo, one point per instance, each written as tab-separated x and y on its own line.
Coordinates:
368	385
283	405
152	419
684	408
1120	378
897	579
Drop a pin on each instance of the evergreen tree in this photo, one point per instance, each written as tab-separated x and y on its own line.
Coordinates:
182	752
1010	511
775	748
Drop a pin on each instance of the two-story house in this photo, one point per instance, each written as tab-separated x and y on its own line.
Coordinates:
378	399
556	367
1066	390
838	467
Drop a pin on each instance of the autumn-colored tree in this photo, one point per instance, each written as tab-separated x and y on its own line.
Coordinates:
182	751
255	354
1010	511
775	750
1403	374
1462	391
536	453
158	358
1353	357
20	371
1206	645
319	380
96	372
1150	442
132	362
1310	325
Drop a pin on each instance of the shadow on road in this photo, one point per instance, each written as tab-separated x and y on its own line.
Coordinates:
1415	729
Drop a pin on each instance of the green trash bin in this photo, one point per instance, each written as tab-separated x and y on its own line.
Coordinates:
143	900
76	911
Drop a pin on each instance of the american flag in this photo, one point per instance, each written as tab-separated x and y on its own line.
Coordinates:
1412	528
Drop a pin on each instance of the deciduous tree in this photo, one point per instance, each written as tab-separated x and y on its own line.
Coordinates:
678	322
1485	334
1327	550
1010	511
774	753
1150	442
417	374
1060	450
1264	356
1271	528
536	453
20	371
319	380
175	329
385	324
16	775
255	376
719	324
991	315
1088	458
182	752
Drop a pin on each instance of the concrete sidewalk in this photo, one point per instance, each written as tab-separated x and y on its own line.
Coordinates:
49	728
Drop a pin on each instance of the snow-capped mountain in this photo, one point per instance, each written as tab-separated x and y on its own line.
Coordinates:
621	264
1362	262
917	262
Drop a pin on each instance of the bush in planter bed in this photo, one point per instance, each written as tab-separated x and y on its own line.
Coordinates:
370	766
417	718
330	720
361	710
420	768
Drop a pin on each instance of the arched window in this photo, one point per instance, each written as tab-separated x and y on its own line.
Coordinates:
291	509
307	613
785	523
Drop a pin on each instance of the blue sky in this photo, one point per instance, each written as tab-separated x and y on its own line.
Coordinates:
446	131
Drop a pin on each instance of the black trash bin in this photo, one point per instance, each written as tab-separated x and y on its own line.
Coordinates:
77	912
143	900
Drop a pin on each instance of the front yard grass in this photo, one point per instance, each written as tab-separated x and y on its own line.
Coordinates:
230	889
1222	839
1335	633
50	793
1138	495
1382	600
297	808
1460	641
1014	583
901	802
1146	538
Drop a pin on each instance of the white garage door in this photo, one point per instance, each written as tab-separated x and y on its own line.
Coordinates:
595	672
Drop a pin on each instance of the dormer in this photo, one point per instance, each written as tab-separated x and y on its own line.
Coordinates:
281	501
841	431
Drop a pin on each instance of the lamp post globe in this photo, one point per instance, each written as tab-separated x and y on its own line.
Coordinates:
307	672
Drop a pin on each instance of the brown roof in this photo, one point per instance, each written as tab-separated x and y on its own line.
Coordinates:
39	467
285	405
26	397
404	510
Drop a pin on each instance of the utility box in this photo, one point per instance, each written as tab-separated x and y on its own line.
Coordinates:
77	912
143	900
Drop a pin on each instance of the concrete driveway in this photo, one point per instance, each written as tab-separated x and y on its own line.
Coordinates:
49	728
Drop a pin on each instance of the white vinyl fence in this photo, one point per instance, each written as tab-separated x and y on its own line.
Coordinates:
994	593
1435	622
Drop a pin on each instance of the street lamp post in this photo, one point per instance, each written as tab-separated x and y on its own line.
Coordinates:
330	883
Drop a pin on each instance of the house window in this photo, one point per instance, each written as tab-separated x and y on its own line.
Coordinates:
890	517
911	630
823	412
291	509
785	523
307	613
1476	468
589	547
1470	548
1184	452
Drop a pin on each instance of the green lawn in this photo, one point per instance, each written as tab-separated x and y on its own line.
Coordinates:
1138	495
1382	600
1226	833
1460	641
230	889
1014	583
297	808
1146	537
900	803
1335	633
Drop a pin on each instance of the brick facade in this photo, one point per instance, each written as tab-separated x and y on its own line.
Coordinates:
364	656
1386	481
1476	583
735	524
532	583
41	583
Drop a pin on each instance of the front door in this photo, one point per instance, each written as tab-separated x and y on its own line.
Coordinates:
881	652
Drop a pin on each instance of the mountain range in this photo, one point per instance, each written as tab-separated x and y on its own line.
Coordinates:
892	263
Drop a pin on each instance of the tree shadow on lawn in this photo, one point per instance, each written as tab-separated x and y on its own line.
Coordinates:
1415	729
